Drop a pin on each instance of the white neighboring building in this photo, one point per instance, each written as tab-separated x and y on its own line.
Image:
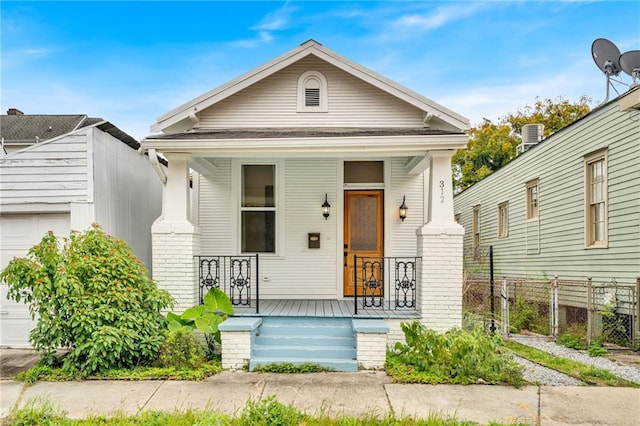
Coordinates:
92	174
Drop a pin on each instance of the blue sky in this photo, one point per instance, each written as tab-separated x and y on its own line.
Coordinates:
130	62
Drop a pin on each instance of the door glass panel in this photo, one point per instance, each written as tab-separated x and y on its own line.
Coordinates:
363	172
363	217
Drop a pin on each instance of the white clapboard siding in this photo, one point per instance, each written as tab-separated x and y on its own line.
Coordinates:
307	273
272	102
127	192
558	163
298	272
214	213
50	172
403	234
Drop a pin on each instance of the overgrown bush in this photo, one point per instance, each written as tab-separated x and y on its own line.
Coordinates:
575	337
92	295
456	356
525	316
181	349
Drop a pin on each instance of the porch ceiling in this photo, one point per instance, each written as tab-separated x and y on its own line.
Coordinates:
284	142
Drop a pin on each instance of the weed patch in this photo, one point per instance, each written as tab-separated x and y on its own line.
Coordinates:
456	356
287	367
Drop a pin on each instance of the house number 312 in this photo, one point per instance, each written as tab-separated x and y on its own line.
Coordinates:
441	185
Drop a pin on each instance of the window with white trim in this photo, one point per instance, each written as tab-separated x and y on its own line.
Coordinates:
596	213
503	219
312	92
476	232
533	199
258	208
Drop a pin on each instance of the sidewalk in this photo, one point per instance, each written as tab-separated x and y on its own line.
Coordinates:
337	393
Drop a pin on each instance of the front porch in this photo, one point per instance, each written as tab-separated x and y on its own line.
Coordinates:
321	309
385	287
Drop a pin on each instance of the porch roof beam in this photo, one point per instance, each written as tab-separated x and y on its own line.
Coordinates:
418	165
283	147
204	166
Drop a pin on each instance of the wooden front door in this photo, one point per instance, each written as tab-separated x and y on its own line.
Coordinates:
363	230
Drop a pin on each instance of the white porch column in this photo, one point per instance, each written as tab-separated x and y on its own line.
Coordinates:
440	246
175	239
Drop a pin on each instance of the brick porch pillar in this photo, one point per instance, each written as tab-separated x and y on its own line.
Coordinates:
440	243
175	240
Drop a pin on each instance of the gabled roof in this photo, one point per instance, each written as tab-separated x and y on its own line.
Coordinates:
26	129
310	47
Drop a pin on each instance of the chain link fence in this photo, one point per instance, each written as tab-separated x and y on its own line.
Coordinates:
587	311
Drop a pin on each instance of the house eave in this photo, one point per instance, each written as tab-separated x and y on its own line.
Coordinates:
313	146
182	113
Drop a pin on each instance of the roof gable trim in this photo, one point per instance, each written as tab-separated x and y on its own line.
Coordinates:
308	48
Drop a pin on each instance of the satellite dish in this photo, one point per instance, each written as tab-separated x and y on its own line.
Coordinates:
606	55
630	63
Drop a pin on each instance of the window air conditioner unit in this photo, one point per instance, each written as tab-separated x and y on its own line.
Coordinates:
531	135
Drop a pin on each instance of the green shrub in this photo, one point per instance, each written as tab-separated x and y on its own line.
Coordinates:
456	356
596	349
206	318
575	337
91	295
181	349
524	316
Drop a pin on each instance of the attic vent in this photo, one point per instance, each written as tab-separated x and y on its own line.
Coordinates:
312	97
312	92
531	135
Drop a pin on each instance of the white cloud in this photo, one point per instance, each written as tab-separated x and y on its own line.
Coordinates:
438	18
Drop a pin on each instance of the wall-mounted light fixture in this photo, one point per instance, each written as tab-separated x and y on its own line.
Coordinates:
325	207
403	209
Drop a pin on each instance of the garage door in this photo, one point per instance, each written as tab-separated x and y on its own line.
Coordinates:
19	233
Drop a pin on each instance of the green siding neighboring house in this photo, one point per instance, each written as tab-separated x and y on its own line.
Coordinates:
569	206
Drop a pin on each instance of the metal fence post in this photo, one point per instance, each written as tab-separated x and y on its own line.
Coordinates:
355	284
491	295
636	338
590	319
504	299
553	309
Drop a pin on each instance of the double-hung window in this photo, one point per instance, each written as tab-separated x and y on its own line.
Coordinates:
503	220
596	200
258	208
533	199
476	232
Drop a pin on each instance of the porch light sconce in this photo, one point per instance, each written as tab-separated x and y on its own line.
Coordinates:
403	209
325	207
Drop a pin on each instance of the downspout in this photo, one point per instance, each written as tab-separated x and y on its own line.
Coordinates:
153	159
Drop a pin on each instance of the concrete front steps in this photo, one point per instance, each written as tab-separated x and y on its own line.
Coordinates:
329	342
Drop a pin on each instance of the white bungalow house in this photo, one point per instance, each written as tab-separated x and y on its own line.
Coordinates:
63	173
282	178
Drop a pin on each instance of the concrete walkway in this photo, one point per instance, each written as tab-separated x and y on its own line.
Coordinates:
337	393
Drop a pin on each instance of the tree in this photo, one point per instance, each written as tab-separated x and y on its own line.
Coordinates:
492	145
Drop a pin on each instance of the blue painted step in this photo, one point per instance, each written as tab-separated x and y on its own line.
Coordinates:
329	342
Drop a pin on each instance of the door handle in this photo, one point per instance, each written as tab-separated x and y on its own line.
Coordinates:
345	258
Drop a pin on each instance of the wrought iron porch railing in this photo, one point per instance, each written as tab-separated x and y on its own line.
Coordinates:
385	282
237	276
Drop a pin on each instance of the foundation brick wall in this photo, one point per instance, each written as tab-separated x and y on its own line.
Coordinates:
372	350
236	349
